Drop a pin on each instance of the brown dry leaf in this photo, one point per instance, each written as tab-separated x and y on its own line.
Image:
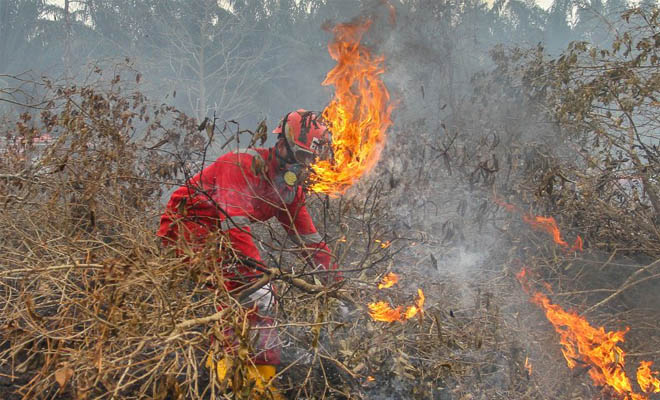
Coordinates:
259	167
63	375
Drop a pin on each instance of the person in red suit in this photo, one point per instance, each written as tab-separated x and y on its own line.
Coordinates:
246	186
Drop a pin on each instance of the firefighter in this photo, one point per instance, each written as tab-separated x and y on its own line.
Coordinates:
247	186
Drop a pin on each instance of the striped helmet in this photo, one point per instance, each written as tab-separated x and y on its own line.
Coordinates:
306	134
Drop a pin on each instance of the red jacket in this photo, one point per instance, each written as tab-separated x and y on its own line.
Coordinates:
239	185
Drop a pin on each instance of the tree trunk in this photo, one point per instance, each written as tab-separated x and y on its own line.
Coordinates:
67	40
201	112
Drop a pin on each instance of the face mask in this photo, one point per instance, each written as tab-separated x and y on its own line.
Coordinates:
292	174
288	180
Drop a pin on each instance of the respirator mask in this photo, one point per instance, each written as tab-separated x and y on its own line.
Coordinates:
305	139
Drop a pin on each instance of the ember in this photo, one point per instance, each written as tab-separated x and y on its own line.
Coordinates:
358	115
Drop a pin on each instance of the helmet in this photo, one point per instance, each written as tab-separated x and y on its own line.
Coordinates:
306	135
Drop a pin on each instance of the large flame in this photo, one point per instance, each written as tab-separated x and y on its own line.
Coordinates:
358	115
595	348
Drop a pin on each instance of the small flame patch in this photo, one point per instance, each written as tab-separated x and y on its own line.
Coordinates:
388	280
383	312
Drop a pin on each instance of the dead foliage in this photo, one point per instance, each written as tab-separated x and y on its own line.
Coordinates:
94	308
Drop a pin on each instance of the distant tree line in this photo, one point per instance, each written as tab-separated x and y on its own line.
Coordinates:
256	58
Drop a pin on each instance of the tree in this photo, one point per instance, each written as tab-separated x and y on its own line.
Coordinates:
207	54
605	101
20	29
592	23
558	26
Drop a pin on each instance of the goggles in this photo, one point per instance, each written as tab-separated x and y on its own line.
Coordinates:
303	156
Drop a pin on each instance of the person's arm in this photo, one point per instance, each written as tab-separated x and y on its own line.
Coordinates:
301	230
186	202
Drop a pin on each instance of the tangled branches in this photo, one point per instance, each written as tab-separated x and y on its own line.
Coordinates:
93	307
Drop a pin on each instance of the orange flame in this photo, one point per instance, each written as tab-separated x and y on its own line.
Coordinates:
388	280
358	115
646	379
384	244
594	347
549	225
411	311
528	366
546	224
381	311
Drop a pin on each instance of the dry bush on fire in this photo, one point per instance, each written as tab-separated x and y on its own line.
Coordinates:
604	104
555	137
585	152
93	307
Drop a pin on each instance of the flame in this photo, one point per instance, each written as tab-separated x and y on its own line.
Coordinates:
411	311
594	347
522	278
528	366
549	225
646	379
358	115
388	280
546	224
381	311
384	244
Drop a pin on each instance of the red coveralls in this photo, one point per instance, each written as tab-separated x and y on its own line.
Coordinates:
245	195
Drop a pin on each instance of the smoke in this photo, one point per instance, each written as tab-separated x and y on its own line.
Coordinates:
460	133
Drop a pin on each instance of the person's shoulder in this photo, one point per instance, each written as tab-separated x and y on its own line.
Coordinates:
250	162
251	153
243	155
